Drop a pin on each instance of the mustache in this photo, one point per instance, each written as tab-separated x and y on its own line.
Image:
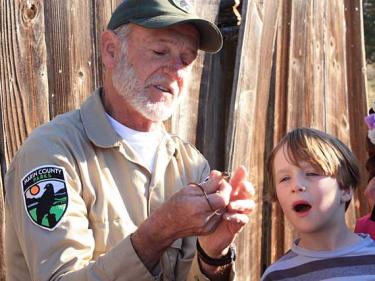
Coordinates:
164	81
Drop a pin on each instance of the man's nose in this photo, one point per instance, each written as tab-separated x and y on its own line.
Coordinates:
176	68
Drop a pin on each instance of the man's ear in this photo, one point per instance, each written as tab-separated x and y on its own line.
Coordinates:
110	48
346	194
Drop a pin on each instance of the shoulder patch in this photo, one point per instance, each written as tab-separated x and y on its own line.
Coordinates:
45	195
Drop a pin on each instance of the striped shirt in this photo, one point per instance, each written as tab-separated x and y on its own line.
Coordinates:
353	263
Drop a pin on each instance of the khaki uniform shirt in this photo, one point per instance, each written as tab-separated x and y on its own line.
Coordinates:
109	194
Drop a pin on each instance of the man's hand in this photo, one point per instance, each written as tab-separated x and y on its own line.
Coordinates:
189	213
234	219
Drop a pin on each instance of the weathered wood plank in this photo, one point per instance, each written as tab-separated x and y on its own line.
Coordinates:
69	38
2	229
214	101
102	10
239	142
356	84
275	218
247	123
23	71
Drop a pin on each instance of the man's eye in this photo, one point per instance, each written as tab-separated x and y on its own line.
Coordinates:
159	53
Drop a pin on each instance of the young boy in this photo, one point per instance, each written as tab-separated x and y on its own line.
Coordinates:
314	175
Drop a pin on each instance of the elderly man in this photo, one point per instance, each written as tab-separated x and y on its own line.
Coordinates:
126	200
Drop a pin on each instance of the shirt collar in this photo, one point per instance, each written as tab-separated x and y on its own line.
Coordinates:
96	123
99	129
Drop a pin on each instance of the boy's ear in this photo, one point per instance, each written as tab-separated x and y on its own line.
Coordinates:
346	194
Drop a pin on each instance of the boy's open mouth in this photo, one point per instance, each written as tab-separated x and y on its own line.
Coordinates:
301	207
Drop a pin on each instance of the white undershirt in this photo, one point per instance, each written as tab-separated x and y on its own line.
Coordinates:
145	144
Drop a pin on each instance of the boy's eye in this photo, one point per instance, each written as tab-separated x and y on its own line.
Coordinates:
312	174
283	179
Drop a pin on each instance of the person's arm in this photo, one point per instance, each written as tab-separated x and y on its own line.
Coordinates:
68	251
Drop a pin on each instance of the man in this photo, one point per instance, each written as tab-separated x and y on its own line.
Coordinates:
129	199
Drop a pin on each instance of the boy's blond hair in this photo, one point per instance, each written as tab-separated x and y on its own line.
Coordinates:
322	151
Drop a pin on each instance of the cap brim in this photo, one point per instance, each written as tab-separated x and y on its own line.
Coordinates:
211	39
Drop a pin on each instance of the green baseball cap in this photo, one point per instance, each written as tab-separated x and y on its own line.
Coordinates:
166	13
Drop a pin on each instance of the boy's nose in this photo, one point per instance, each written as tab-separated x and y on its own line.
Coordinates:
298	186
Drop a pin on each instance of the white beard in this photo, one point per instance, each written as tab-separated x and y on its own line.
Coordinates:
127	85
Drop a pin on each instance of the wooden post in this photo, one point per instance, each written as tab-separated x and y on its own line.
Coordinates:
24	84
2	230
247	120
357	82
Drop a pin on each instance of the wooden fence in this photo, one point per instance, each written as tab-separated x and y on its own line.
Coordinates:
289	63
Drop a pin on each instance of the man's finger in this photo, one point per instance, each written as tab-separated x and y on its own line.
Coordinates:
244	189
241	206
211	184
240	219
239	175
221	198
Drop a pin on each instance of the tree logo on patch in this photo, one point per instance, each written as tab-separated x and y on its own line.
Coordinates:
45	195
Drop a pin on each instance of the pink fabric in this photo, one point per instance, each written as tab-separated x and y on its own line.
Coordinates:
365	225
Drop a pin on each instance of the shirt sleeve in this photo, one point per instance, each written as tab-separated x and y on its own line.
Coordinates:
66	252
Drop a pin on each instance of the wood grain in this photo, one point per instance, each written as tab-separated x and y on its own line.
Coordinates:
289	63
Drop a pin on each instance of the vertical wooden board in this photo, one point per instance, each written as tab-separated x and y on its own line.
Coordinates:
184	120
297	57
23	83
239	143
315	65
82	53
244	81
214	101
247	122
263	129
2	230
297	93
337	122
276	218
102	11
356	79
69	38
337	98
